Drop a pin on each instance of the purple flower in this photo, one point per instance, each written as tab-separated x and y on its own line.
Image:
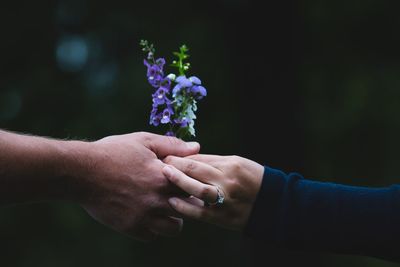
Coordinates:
155	73
176	90
192	85
195	80
160	96
155	118
146	63
174	98
198	91
154	76
182	122
166	82
166	115
183	81
160	62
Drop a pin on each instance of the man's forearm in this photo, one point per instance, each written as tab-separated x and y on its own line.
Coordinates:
35	168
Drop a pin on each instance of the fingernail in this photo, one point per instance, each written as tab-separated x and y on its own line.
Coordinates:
172	201
193	145
167	171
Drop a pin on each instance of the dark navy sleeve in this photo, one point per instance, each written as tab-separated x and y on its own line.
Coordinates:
296	213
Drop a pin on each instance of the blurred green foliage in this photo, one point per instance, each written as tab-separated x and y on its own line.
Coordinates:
310	86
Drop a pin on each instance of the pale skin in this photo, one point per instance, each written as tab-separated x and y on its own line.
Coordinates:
237	178
118	180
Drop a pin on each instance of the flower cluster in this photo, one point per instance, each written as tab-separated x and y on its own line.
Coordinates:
175	96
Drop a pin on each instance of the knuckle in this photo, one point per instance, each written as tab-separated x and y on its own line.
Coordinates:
204	192
190	167
234	189
141	134
235	162
154	204
235	158
146	138
168	159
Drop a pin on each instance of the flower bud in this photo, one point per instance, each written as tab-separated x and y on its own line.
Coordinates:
171	76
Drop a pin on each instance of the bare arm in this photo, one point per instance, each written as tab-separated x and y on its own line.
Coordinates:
35	168
117	179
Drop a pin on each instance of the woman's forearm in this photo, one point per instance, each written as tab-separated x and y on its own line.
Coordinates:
301	214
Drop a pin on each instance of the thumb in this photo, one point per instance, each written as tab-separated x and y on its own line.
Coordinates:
164	146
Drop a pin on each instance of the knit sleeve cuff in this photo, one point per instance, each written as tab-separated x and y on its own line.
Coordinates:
264	218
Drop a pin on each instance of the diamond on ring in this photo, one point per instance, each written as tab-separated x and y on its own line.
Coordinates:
220	198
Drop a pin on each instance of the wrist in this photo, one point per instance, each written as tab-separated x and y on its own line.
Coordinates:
75	163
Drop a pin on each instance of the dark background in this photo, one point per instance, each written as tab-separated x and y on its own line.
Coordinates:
309	86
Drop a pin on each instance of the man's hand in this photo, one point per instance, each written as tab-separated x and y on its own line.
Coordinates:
126	189
117	179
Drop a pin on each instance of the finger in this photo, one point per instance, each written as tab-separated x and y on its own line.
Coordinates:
166	187
189	210
193	187
177	192
162	208
195	201
195	169
163	146
166	226
205	158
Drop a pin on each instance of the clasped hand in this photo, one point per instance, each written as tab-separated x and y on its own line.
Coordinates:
143	184
202	176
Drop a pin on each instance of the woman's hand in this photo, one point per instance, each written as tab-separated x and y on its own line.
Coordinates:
205	177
